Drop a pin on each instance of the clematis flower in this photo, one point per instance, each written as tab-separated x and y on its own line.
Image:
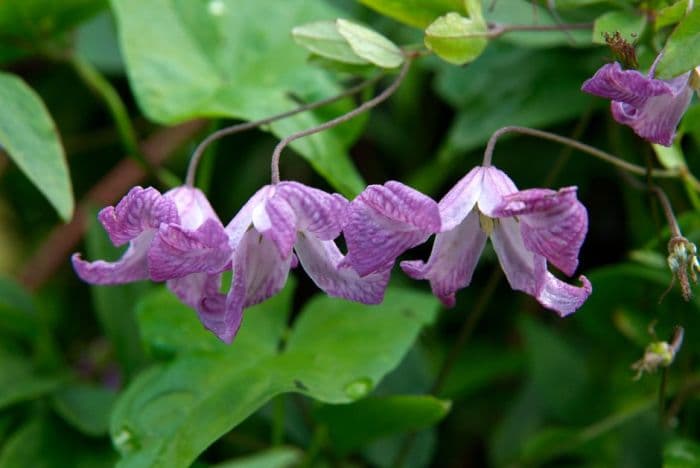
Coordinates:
651	107
164	233
276	222
527	228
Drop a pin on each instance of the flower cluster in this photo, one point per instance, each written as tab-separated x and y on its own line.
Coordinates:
176	237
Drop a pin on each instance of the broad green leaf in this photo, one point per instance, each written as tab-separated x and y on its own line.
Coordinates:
370	45
354	425
85	407
418	13
628	23
322	38
337	352
279	457
681	453
456	39
227	62
20	382
115	305
96	41
682	51
168	328
47	443
29	137
41	19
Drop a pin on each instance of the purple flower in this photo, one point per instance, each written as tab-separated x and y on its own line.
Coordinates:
276	222
527	229
173	237
650	106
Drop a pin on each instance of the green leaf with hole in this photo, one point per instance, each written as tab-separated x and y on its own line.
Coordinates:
628	23
219	59
29	136
682	52
337	352
418	13
323	39
370	45
354	425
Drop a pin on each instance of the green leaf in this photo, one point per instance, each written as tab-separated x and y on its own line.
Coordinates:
115	305
226	62
418	13
354	425
449	37
681	453
85	407
337	352
41	19
671	14
47	443
670	157
370	45
322	38
628	23
278	457
29	136
682	51
20	382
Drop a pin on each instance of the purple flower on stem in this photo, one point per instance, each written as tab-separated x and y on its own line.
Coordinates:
651	107
527	228
278	221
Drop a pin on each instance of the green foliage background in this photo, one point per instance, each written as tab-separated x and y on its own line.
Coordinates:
98	376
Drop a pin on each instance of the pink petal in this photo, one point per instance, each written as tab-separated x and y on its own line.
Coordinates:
132	266
495	185
321	259
452	261
192	206
383	222
515	259
140	210
629	86
552	224
556	295
460	200
177	252
259	273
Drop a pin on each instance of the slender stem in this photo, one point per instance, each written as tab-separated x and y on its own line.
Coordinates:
104	89
497	30
600	154
668	211
199	151
365	106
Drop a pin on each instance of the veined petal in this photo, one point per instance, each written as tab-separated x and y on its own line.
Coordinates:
192	288
383	222
275	219
140	210
628	86
452	260
132	266
657	119
556	295
244	218
552	223
321	259
192	206
177	252
515	259
460	200
319	213
495	185
259	273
